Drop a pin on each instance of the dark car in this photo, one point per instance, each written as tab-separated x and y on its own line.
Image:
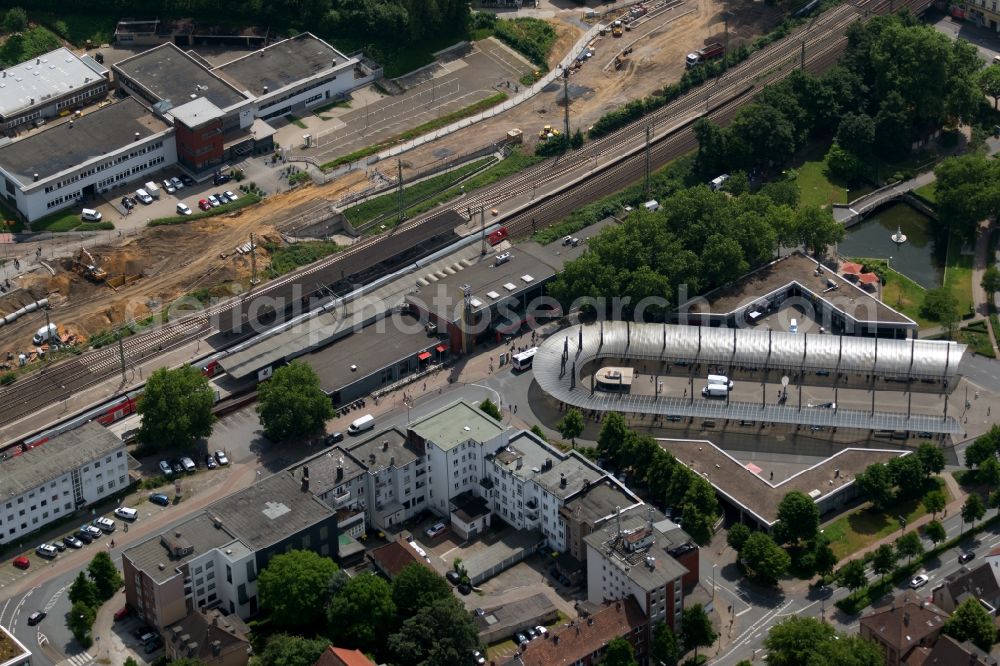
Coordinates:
530	633
84	536
142	630
464	588
178	467
60	546
186	179
210	462
221	178
128	203
966	556
35	618
72	541
520	638
153	645
453	577
334	437
159	498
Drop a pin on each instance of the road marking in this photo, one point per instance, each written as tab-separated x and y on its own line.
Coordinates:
55	598
81	659
42	639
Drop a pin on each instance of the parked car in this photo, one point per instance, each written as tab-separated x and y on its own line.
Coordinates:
122	613
210	462
126	513
21	562
541	631
204	205
166	468
520	638
178	467
90	215
142	630
436	530
168	185
177	183
106	525
94	531
531	633
60	546
221	178
453	576
85	537
72	541
143	196
223	199
966	556
187	180
35	618
478	657
183	209
221	457
334	437
214	201
128	203
919	581
231	195
160	499
188	464
46	550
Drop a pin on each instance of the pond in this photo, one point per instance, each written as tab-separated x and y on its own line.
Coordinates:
917	258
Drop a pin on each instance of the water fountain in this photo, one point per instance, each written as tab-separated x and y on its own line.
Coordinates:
899	237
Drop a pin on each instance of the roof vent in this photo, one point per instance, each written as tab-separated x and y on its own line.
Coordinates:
161	566
265	87
36	177
229	551
466	428
136	136
385	445
562	480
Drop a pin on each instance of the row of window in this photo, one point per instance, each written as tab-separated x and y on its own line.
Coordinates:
26	118
107	165
72	101
70	196
296	93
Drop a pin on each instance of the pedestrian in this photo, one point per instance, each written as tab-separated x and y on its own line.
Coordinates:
515	409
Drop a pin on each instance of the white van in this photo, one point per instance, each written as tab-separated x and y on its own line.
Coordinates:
715	391
44	334
793	326
652	205
719	181
126	513
366	422
721	379
90	215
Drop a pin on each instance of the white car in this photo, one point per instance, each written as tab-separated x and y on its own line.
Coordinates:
213	201
919	581
222	458
169	186
231	195
177	183
188	464
143	196
436	530
104	524
541	631
126	513
183	209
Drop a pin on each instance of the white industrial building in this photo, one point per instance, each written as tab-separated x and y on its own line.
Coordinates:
53	479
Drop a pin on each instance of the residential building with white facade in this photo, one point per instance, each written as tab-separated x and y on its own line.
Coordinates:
53	479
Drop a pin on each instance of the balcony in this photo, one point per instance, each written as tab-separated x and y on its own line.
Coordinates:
486	482
341	500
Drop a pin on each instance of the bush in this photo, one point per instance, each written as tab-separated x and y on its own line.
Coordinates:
532	37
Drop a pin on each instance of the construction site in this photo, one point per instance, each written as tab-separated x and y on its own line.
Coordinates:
94	290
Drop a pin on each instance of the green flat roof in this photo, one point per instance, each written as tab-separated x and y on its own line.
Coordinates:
459	422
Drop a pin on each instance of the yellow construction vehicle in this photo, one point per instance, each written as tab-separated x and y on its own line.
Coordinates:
88	268
616	29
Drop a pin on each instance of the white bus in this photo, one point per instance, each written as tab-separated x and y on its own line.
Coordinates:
523	360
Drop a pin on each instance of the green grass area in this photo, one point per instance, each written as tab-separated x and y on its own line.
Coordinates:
866	525
419	130
928	192
286	258
899	291
78	28
66	220
244	201
27	45
958	276
387	204
296	121
531	36
816	186
342	104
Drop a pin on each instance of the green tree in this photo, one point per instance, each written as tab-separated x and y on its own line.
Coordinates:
967	193
782	193
991	276
291	403
989	472
490	409
941	306
798	519
737	536
843	164
294	587
288	650
711	158
792	641
699	509
875	483
571	426
760	135
852	575
130	661
696	629
665	649
417	586
613	437
442	633
537	432
79	619
934	502
931	457
847	650
824	559
722	259
763	560
618	652
358	615
909	545
175	408
935	531
15	20
856	134
84	591
989	83
972	510
908	475
884	561
105	575
971	622
983	447
817	229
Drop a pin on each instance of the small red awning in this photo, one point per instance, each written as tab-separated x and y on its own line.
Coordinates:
440	349
868	278
850	268
423	356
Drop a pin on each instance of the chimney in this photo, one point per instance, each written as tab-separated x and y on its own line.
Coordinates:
520	463
216	648
562	480
305	484
340	474
385	445
590	621
136	136
265	87
71	124
392	461
906	618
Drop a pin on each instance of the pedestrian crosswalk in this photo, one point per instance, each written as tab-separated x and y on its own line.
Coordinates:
82	659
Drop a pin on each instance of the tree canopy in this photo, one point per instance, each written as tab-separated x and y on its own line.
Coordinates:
175	408
105	575
763	560
876	484
417	586
696	628
968	191
442	633
360	613
619	652
294	587
971	622
798	518
292	403
288	650
806	641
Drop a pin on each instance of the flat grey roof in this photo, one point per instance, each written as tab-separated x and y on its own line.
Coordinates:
168	73
848	298
458	422
199	531
196	112
62	146
532	453
597	503
313	333
283	64
756	494
634	565
270	510
323	469
51	75
55	457
575	469
379	451
376	346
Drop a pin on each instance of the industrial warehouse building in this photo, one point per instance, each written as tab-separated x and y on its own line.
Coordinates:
180	111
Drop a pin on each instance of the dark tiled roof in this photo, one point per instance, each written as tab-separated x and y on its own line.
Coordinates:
949	652
905	623
393	557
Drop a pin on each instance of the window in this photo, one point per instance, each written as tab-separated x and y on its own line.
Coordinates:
229	574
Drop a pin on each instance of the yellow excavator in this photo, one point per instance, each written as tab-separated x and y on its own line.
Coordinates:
88	267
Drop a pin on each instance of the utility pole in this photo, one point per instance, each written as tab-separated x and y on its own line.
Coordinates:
48	330
649	132
566	102
399	178
725	43
253	261
121	353
802	65
482	218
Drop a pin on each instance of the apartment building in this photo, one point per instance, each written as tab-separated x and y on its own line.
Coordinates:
71	471
902	628
212	559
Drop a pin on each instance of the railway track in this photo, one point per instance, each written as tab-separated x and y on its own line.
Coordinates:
823	39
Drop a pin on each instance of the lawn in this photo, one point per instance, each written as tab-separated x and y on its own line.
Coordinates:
66	220
977	337
899	291
928	192
246	199
286	258
816	188
866	525
958	276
